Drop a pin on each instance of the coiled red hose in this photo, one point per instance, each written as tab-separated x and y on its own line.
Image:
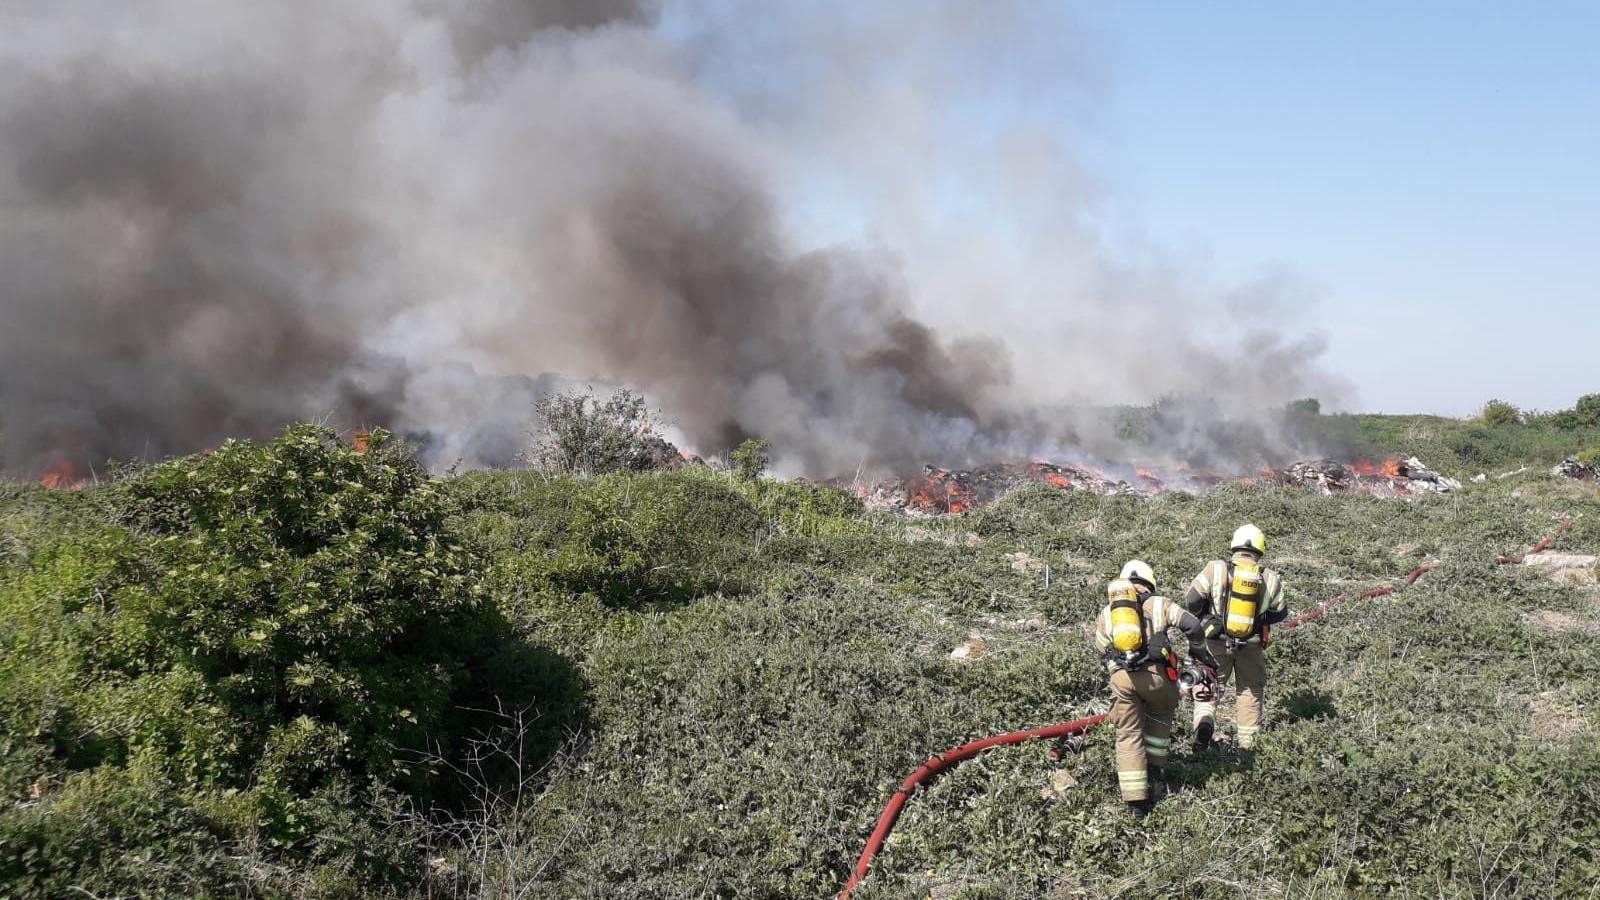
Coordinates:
942	761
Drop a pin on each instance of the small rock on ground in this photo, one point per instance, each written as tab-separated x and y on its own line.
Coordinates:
969	651
1566	568
1061	781
1550	620
1023	561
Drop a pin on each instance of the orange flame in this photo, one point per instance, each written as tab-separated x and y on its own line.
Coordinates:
936	492
1049	474
61	476
1389	467
360	438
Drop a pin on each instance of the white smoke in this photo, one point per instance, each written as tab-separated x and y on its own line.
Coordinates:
217	218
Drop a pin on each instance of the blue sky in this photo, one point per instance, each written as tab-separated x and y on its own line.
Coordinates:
1422	175
1428	168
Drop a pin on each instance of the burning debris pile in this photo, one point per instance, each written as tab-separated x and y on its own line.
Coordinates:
1388	478
63	476
1572	467
943	491
939	491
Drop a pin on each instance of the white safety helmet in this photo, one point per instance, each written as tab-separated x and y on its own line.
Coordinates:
1249	537
1139	572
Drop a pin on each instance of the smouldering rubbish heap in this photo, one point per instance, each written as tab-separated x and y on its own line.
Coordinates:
940	491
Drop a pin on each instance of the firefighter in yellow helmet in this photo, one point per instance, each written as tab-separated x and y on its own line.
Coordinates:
1238	600
1131	635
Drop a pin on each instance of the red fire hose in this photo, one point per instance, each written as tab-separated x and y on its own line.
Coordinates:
1322	609
942	761
938	763
1566	522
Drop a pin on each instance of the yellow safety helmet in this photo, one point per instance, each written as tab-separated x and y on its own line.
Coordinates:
1139	572
1249	537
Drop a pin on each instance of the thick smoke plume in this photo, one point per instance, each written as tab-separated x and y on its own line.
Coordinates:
219	218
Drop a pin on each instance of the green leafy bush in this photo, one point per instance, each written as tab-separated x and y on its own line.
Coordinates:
1310	406
579	434
749	459
267	623
1498	412
311	592
1587	411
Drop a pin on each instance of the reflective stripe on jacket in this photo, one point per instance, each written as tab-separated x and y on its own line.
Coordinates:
1212	584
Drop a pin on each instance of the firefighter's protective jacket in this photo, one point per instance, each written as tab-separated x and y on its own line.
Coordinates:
1208	593
1160	616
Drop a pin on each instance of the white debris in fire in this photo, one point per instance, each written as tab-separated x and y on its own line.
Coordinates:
938	492
1572	468
1391	478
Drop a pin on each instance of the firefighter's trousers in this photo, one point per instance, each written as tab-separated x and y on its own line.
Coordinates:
1247	664
1142	705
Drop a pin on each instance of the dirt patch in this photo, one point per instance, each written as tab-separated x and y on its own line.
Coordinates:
916	533
1314	563
1022	561
1550	620
1551	719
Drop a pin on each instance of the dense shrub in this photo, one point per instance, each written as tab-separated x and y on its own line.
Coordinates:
1310	406
1465	447
580	434
1587	411
749	459
1499	412
269	623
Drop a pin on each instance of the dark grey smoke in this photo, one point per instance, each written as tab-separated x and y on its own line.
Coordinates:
219	218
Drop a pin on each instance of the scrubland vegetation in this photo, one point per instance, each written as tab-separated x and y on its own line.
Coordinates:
295	670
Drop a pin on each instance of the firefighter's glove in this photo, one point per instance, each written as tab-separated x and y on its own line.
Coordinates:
1211	626
1203	655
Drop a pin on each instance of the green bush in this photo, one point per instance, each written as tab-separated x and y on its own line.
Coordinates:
311	592
268	623
1587	411
749	459
626	541
1310	406
579	434
1498	412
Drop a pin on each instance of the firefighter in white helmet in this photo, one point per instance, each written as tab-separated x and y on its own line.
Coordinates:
1131	635
1237	600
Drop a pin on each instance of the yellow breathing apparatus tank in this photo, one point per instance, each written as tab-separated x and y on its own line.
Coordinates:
1245	590
1127	619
